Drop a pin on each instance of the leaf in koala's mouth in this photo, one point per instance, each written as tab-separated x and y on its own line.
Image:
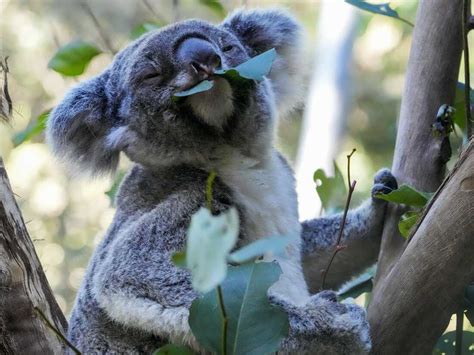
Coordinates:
253	69
202	86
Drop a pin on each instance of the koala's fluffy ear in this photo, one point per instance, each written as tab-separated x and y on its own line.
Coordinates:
261	30
78	127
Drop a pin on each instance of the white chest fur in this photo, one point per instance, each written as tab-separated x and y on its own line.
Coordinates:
265	191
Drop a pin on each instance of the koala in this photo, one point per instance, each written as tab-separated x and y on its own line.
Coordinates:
133	299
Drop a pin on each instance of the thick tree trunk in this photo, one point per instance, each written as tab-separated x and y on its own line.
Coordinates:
417	289
23	287
432	74
426	285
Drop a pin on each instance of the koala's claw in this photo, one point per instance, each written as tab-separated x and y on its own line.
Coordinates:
325	326
384	182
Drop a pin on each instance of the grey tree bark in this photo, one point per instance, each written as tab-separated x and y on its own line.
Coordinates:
420	156
25	294
419	284
426	285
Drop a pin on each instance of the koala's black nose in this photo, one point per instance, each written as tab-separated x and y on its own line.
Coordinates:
200	55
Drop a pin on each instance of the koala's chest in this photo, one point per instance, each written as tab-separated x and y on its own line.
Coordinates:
267	198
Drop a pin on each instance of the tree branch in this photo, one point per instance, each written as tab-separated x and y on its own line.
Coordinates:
426	285
23	286
432	72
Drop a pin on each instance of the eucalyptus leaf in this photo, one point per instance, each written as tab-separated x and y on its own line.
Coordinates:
172	349
407	221
202	86
331	190
357	286
215	6
407	195
73	58
33	129
459	116
446	343
112	192
271	245
380	9
209	241
253	69
179	259
254	325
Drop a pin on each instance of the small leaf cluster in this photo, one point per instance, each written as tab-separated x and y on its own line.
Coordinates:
407	195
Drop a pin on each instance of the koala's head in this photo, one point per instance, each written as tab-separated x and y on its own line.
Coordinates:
130	106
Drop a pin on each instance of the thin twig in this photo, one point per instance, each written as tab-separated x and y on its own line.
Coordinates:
220	297
176	10
56	330
340	247
150	8
467	79
100	29
459	331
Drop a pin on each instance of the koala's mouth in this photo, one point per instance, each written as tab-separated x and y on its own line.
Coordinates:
214	106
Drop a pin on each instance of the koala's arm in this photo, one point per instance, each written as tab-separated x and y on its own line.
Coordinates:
137	284
324	326
361	239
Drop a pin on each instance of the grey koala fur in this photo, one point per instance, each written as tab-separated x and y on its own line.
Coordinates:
133	299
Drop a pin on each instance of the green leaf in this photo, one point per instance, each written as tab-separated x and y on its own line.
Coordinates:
112	192
73	58
407	195
172	349
380	9
215	6
446	344
209	241
253	69
34	128
179	259
254	325
202	86
271	245
331	190
357	286
407	221
459	116
143	28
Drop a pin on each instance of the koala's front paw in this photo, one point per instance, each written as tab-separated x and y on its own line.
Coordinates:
384	182
324	326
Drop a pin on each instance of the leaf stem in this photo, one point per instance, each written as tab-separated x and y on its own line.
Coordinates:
466	15
220	298
406	21
56	330
209	187
338	246
459	331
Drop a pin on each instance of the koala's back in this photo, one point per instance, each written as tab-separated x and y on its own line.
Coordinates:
141	192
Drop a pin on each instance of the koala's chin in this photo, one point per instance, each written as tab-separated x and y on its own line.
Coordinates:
214	107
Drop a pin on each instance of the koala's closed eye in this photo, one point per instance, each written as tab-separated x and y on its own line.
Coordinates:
227	48
151	74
